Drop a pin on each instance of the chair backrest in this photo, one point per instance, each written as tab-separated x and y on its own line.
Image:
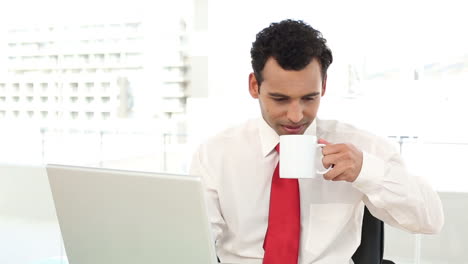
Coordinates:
372	241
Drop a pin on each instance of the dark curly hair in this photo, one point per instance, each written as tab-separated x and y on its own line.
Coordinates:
293	44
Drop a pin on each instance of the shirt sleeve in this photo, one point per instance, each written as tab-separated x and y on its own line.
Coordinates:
199	168
397	197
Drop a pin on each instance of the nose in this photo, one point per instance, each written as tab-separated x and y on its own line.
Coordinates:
295	112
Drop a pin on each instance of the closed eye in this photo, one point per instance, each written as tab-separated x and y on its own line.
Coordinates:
280	99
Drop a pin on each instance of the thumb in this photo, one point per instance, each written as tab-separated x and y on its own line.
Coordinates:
323	141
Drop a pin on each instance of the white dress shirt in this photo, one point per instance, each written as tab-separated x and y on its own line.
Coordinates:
237	168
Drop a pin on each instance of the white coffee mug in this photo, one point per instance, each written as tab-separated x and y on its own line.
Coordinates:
300	157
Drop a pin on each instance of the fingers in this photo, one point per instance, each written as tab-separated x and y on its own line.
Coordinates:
345	170
339	172
346	159
329	148
333	148
330	160
340	178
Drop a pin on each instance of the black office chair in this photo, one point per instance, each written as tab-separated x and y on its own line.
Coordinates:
372	241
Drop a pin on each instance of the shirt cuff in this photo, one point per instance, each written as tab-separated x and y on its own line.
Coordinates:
372	174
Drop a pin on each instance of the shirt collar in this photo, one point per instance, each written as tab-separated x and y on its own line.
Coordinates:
269	138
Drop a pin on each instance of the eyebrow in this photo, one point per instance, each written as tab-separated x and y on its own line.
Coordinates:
282	95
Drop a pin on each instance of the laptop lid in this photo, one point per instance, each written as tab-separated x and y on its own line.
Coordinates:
121	217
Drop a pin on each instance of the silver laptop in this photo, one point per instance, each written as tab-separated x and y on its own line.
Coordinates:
121	217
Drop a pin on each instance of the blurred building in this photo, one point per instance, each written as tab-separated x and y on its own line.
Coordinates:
94	71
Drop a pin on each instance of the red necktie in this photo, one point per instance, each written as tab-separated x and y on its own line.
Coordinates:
284	226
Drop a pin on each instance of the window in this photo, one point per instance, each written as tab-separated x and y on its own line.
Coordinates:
68	58
74	115
105	89
99	57
69	71
74	87
114	57
74	99
84	58
16	87
105	115
30	87
105	99
53	59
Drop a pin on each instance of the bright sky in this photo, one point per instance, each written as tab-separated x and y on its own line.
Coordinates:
21	12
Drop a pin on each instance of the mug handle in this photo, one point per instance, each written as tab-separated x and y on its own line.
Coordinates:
327	169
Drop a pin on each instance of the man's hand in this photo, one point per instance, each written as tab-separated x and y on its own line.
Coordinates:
345	158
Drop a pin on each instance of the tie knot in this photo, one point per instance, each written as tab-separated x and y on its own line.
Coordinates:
277	148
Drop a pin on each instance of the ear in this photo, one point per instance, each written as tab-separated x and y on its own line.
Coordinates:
253	86
324	85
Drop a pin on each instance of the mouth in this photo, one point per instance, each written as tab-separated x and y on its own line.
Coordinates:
293	129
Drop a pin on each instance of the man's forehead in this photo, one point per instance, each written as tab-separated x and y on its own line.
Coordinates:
281	94
274	71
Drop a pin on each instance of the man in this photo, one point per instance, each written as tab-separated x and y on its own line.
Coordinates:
290	61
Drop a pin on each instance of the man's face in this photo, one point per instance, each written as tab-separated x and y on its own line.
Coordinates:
289	100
